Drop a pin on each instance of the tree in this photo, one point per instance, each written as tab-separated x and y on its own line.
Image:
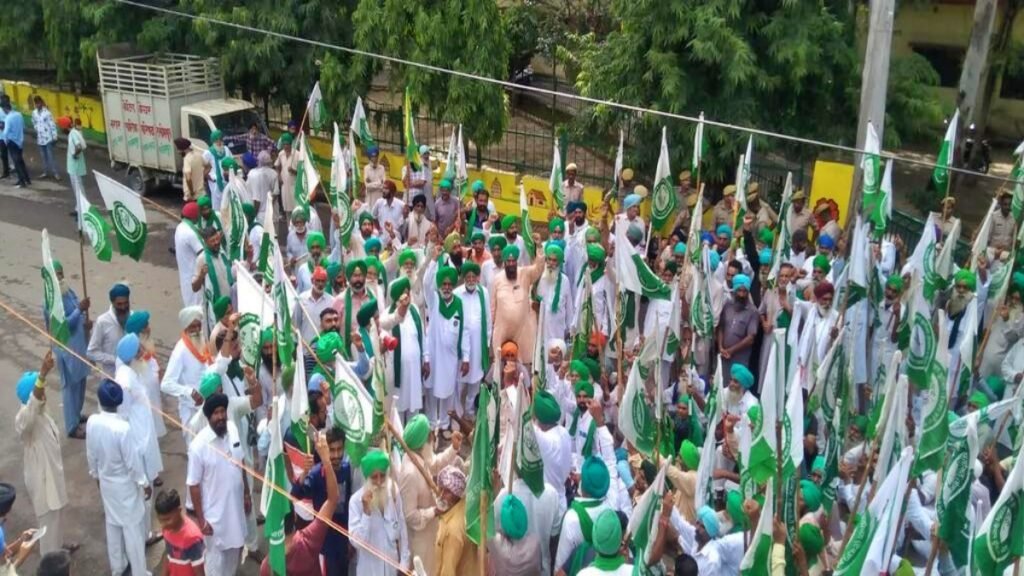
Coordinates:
464	35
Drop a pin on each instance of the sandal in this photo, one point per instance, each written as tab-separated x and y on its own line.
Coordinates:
79	433
158	482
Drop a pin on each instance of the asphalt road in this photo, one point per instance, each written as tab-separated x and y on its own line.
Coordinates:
154	281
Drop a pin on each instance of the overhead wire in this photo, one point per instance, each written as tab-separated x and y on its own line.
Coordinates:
241	465
548	92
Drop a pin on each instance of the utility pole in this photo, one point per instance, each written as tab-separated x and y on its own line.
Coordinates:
874	83
974	78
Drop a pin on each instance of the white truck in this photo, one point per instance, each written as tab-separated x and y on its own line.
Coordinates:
149	100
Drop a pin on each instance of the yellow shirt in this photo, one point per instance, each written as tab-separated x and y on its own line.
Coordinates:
454	554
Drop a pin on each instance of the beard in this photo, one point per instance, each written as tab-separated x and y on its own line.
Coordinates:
511	271
269	361
823	310
357	285
550	275
734	396
63	285
220	428
379	495
958	302
140	366
148	346
194	339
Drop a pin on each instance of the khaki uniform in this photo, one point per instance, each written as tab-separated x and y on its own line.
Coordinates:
1001	236
721	214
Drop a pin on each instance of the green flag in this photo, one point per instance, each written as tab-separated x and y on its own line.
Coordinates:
781	250
1001	536
284	301
479	486
360	127
236	227
298	405
315	108
702	315
55	317
742	181
352	410
93	224
951	506
268	244
871	176
127	214
525	227
762	463
704	493
757	559
341	200
412	148
940	175
585	322
934	431
663	198
636	421
643	523
529	463
555	180
1017	175
308	178
274	502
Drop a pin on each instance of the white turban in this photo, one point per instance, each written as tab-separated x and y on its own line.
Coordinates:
188	315
556	343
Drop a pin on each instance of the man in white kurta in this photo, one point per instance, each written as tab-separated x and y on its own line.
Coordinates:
555	292
109	328
544	512
447	349
476	311
188	244
116	463
594	483
186	365
407	361
375	518
219	489
43	467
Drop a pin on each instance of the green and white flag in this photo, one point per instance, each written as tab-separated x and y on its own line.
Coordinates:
1017	175
875	531
860	263
699	147
274	502
675	319
952	504
360	127
315	108
585	321
693	242
56	319
479	485
871	177
1001	536
529	463
762	463
663	198
980	244
352	409
236	227
256	312
284	301
891	427
93	224
341	201
636	420
757	559
353	162
943	263
412	147
781	250
883	214
742	181
308	178
461	182
643	523
525	227
940	175
452	159
613	192
934	430
127	214
555	180
632	273
792	421
961	376
268	244
704	493
298	404
999	284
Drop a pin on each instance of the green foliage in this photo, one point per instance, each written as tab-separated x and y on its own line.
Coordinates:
522	22
913	112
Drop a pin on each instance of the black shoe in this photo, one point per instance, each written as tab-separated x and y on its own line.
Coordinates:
74	213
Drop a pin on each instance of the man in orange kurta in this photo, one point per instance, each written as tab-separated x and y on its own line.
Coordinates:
511	304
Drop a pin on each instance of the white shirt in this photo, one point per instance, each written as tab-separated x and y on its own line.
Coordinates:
386	532
44	468
117	464
572	534
106	333
309	327
261	181
544	512
384	212
187	247
221	484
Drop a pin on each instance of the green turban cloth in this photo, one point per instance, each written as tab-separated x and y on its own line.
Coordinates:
399	287
354	266
812	541
416	432
209	384
477	235
220	306
894	281
594	479
374	461
228	163
513	517
811	494
451	241
216	135
372	244
967	277
607	534
861	423
734	508
497	242
596	252
250	212
820	262
365	217
556	225
979	399
366	313
204	202
470	267
580	369
333	269
546	409
690	455
315	239
267	336
996	385
593	368
478	186
724	230
406	255
378	266
766	236
819	464
510	252
447	273
592	235
584	387
326	346
300	213
507	222
552	251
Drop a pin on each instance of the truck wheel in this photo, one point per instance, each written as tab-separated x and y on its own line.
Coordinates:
139	181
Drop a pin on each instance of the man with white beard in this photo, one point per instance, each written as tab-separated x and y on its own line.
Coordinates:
446	353
818	327
116	463
375	519
407	361
961	303
186	365
135	409
555	294
884	339
1007	328
476	307
138	324
419	504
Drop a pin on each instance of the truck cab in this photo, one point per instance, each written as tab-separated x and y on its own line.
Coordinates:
231	116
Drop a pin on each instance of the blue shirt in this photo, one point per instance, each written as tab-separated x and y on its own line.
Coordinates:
314	487
14	128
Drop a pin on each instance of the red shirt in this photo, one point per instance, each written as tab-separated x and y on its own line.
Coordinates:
185	548
303	558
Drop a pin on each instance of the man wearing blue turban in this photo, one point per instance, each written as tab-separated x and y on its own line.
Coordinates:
739	322
109	328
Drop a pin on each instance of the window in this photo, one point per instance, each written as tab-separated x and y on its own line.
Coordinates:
948	61
198	129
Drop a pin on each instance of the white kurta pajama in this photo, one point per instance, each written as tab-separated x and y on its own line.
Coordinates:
184	371
150	379
476	313
135	409
556	453
221	485
385	532
407	381
187	247
44	469
446	349
115	461
556	323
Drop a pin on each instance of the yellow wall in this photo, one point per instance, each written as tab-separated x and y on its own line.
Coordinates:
89	109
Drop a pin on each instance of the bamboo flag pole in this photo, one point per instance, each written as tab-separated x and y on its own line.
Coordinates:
482	544
856	502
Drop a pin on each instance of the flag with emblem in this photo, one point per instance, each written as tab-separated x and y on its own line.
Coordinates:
702	315
932	436
781	249
275	504
352	409
762	464
1001	536
632	272
636	422
298	404
525	227
352	158
94	226
891	429
479	486
663	198
962	374
860	258
880	218
307	178
699	147
643	523
284	302
127	214
693	241
56	319
675	319
613	192
1017	176
757	558
255	311
452	160
875	527
315	108
236	227
461	183
412	148
268	244
951	506
742	181
940	175
871	176
360	127
555	180
585	323
529	463
704	492
341	200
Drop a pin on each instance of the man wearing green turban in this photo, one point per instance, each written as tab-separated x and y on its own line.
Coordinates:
516	551
214	155
510	252
208	218
446	358
556	228
607	536
579	526
416	432
407	359
821	267
348	304
555	297
375	518
315	245
962	305
476	310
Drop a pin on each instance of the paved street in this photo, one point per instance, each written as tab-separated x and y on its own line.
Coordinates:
154	280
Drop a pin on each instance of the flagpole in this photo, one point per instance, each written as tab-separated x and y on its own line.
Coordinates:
618	345
81	256
778	467
481	546
856	502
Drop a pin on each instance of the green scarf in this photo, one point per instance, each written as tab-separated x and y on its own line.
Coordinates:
212	275
217	157
213	221
558	292
397	333
346	335
608	563
587	528
588	444
595	274
192	226
450	310
485	359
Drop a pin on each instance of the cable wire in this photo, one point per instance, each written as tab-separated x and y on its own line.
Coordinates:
548	92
